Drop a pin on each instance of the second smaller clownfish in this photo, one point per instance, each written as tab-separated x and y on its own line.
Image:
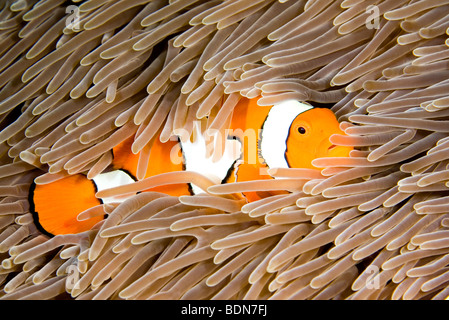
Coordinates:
289	134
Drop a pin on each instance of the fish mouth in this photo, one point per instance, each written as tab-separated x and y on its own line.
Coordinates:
325	148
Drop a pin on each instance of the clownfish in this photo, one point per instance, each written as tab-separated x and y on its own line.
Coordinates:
291	135
288	134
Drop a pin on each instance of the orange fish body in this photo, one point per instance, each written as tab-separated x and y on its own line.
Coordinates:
246	125
158	162
289	135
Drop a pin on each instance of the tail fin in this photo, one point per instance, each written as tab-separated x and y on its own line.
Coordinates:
55	206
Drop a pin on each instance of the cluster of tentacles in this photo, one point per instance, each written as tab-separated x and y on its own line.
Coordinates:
75	83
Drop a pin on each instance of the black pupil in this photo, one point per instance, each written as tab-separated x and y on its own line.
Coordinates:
301	130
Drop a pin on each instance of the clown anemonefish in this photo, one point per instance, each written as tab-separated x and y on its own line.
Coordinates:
291	135
288	134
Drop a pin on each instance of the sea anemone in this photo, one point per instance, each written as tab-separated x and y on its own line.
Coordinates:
78	78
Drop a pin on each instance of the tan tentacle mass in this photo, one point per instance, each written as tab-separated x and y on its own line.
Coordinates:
77	83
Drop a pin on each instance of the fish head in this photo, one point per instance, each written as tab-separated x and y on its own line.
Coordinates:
309	138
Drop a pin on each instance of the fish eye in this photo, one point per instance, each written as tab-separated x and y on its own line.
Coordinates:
301	130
